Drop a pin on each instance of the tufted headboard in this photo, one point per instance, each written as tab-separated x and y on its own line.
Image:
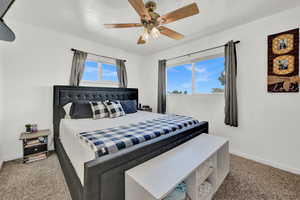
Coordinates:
66	94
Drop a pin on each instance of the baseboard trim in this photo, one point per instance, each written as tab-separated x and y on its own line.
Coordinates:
267	162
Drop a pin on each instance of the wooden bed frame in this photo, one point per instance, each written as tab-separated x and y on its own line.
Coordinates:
104	177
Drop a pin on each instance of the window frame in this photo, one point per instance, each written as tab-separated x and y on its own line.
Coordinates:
100	62
193	63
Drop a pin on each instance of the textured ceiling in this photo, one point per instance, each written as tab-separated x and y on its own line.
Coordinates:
85	18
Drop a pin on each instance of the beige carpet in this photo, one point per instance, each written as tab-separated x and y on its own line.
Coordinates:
248	180
41	180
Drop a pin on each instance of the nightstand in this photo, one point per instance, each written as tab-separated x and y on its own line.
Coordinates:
145	109
35	145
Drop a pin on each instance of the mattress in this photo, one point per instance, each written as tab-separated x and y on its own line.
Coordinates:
77	150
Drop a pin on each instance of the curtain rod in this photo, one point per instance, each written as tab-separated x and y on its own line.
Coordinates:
97	55
204	50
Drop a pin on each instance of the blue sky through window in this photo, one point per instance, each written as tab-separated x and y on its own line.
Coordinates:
109	73
207	73
180	78
91	72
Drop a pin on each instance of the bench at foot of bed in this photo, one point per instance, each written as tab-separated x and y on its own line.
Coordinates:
201	163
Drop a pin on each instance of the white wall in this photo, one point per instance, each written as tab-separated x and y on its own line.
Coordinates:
36	61
269	123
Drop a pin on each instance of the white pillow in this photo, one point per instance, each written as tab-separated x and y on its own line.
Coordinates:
99	110
114	108
67	109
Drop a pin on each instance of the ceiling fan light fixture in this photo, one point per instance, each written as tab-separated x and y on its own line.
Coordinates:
155	33
145	35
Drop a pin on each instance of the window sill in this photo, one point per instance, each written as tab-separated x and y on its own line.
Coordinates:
99	83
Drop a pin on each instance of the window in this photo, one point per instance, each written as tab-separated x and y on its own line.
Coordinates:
99	72
204	76
179	79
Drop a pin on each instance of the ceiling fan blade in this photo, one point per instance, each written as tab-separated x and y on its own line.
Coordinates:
6	33
180	13
141	41
131	25
140	8
170	33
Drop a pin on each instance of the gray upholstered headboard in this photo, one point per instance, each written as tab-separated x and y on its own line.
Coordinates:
66	94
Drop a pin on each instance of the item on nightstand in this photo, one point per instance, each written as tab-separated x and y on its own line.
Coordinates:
28	128
34	128
146	108
42	139
31	128
36	157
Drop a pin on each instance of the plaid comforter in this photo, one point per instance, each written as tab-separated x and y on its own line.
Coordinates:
112	140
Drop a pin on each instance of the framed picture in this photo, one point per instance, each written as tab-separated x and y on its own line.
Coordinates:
283	62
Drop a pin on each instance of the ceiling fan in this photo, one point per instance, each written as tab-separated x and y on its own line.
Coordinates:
152	21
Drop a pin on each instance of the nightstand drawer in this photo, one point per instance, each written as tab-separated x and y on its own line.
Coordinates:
35	149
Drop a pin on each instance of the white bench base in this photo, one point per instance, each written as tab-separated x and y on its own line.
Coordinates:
156	178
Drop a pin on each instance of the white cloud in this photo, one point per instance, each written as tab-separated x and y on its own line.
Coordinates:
197	69
173	69
108	73
202	79
90	69
200	70
189	67
186	85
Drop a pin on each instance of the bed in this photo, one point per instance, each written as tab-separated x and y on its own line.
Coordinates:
103	178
